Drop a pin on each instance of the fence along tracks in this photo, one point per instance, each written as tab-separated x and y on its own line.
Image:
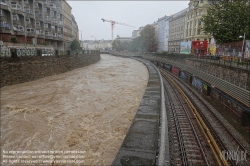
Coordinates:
191	150
218	131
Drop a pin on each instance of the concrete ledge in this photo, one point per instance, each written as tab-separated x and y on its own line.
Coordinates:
140	145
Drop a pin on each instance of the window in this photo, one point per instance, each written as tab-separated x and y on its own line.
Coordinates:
52	27
44	9
15	17
200	12
199	22
57	15
194	31
198	31
190	32
46	25
37	23
187	25
52	13
190	24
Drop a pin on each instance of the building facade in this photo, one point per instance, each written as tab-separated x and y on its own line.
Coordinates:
193	21
75	35
176	31
162	34
136	33
67	25
33	22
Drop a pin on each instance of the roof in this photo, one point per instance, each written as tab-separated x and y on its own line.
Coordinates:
180	13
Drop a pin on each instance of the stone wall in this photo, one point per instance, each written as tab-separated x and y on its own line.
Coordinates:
237	76
26	69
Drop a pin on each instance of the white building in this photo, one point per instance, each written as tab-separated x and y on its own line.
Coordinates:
162	34
136	33
96	44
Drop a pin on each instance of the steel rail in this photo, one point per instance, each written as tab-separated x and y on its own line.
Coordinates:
211	141
183	152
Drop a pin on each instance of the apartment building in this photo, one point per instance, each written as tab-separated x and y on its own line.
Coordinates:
67	24
176	31
193	21
37	22
75	34
162	33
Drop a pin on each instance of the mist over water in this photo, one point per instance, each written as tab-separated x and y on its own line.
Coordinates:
87	109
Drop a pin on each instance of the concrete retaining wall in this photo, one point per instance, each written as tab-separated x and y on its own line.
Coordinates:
26	69
140	146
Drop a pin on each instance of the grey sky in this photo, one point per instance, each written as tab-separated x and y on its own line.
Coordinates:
88	16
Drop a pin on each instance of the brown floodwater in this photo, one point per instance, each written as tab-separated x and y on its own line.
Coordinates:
87	109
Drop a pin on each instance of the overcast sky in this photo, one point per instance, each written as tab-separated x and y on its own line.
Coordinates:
88	16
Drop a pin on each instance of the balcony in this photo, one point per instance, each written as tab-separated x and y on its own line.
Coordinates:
58	9
48	35
39	16
40	34
46	19
16	21
16	7
30	32
36	6
27	23
53	21
3	2
29	13
59	23
4	25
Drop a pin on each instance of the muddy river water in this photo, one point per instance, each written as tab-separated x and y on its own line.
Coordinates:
87	109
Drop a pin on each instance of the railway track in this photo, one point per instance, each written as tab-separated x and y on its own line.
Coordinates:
221	140
186	147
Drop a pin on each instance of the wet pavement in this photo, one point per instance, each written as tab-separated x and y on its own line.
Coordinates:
88	109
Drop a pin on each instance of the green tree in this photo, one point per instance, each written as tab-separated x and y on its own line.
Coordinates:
135	44
227	20
117	45
147	38
75	45
14	39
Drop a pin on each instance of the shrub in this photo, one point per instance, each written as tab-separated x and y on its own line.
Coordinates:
13	39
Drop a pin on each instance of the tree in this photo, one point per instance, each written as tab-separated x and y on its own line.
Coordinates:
135	44
147	38
117	45
75	45
227	20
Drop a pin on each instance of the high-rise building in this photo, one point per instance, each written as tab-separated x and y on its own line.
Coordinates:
38	23
32	19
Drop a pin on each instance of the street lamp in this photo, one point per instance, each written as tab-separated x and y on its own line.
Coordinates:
243	42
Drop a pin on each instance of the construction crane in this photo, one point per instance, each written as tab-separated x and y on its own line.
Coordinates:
113	23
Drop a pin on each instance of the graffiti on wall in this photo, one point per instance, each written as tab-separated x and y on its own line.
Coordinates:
247	49
197	83
185	47
212	47
5	51
229	49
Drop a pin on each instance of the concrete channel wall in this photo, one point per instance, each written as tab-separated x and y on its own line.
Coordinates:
141	144
29	68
